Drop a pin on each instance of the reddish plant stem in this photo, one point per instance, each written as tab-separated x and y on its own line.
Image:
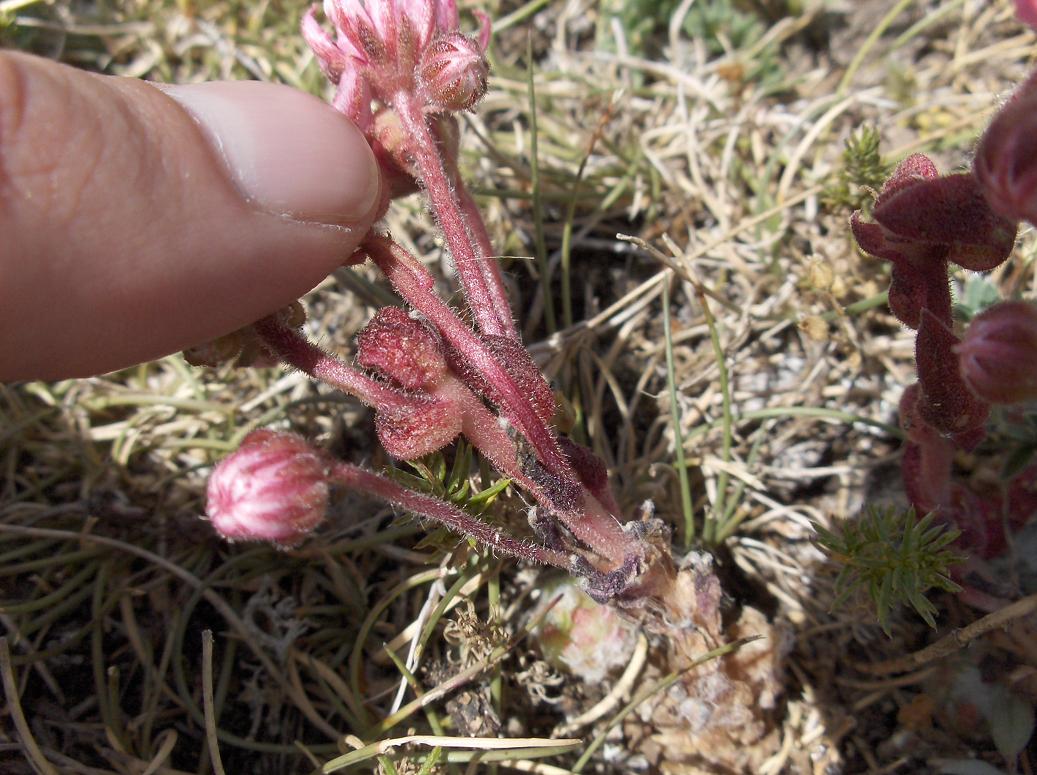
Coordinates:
357	478
413	282
482	430
586	517
480	427
480	276
491	266
297	351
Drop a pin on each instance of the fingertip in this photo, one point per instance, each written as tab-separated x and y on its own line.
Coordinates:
133	226
288	153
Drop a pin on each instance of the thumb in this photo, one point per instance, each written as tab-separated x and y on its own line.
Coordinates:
138	221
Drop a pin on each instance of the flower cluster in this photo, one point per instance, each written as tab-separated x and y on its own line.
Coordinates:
922	222
398	50
401	68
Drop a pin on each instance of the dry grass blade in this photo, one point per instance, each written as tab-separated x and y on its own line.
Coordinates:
14	707
207	704
503	748
712	128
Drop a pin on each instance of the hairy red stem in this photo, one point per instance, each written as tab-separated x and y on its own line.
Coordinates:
365	481
413	282
578	509
479	274
297	351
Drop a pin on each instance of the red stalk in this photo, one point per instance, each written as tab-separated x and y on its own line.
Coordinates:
479	274
581	512
297	351
365	481
413	282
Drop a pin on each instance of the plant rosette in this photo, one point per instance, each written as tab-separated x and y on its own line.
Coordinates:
582	637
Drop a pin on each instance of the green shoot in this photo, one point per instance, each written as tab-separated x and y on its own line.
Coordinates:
895	558
863	171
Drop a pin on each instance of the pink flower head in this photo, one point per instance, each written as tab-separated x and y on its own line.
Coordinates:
380	44
1006	161
273	488
998	356
453	72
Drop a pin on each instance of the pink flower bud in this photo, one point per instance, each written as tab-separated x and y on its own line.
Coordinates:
1026	12
386	38
453	73
998	356
401	348
273	488
410	432
1006	160
913	169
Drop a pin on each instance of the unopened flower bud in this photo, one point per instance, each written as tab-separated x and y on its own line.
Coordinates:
401	348
1026	12
453	72
273	488
1006	160
410	432
998	356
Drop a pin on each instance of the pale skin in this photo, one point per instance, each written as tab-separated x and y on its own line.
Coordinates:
138	220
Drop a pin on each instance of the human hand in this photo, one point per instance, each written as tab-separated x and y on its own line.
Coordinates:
137	220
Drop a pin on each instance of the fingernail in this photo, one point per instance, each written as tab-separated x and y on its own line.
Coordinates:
287	152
